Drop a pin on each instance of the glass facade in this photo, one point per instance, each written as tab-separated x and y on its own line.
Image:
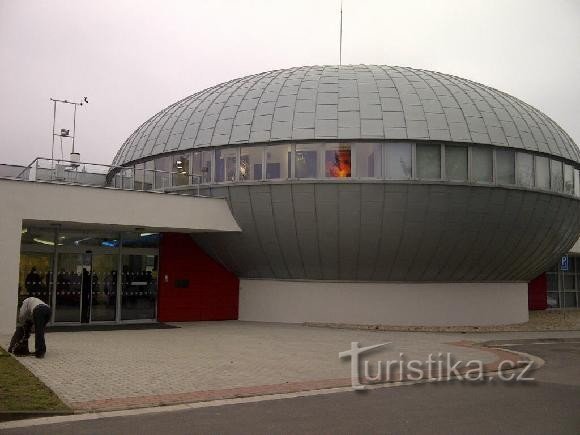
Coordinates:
456	163
251	166
306	163
542	168
482	164
83	269
369	160
226	161
399	161
429	161
337	161
525	169
506	166
563	286
358	160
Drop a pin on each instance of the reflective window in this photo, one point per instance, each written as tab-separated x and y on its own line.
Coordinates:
576	182
337	161
481	164
251	163
556	176
542	168
181	169
456	163
87	239
127	178
138	287
506	166
162	170
429	161
399	161
306	160
568	179
35	277
141	239
148	175
368	160
226	160
524	169
139	175
202	166
278	158
38	236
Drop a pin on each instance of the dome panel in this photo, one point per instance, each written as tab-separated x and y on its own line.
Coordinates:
347	102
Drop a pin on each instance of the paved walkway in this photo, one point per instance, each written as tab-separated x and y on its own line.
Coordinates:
102	370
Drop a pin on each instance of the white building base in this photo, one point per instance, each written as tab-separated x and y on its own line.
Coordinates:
404	304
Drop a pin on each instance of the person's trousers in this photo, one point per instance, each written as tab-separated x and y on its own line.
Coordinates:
19	342
41	317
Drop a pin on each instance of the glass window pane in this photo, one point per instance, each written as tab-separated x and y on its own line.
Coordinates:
138	287
569	300
568	179
429	161
278	162
251	163
162	169
306	160
481	164
542	172
525	169
368	160
141	239
505	161
456	163
138	184
337	161
576	182
226	160
35	277
202	166
181	169
399	161
553	300
556	176
149	175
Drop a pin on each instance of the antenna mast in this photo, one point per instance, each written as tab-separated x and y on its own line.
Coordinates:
340	38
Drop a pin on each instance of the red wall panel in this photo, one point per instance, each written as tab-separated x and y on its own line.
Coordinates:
211	293
538	293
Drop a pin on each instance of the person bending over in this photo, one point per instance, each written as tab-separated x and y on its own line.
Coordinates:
33	312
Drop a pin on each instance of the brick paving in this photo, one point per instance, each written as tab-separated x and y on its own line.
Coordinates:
104	370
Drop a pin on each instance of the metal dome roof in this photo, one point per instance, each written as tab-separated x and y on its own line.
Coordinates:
347	102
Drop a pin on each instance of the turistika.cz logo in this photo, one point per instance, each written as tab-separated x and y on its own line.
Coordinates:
436	367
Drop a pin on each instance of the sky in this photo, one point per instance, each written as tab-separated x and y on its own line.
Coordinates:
133	58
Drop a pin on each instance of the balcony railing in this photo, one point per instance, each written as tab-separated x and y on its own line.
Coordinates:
98	174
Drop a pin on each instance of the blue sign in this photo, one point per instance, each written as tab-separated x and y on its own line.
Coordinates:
564	263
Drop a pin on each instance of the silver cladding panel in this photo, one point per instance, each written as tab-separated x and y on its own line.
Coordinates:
347	102
393	232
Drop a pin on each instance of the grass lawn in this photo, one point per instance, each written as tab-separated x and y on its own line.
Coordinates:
22	394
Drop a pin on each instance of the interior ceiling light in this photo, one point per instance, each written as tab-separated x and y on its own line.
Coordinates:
146	234
43	242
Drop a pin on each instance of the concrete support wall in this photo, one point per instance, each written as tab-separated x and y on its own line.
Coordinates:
92	207
433	304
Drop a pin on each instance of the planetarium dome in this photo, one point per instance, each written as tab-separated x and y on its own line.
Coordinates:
369	173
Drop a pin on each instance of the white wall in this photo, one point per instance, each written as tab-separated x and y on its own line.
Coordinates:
49	202
428	304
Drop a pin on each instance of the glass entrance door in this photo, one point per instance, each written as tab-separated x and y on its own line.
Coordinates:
104	287
72	280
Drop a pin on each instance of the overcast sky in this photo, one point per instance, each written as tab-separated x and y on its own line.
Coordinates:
133	58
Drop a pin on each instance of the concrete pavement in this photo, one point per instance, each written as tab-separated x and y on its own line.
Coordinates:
106	370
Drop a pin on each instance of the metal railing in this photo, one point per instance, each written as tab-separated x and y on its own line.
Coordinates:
119	177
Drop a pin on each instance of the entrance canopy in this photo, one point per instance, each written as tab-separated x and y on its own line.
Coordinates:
83	208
